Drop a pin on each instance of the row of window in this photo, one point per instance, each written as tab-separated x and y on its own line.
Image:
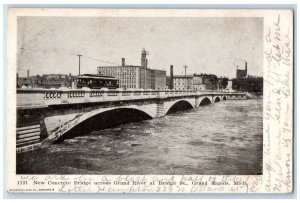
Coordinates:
183	79
127	86
183	83
118	70
181	88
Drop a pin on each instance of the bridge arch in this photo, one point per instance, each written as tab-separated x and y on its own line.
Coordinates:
179	105
224	98
217	99
100	119
205	101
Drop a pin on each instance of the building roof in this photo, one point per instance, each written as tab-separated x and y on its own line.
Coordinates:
93	76
126	66
204	75
129	66
183	76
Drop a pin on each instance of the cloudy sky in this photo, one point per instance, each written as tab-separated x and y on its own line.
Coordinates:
206	45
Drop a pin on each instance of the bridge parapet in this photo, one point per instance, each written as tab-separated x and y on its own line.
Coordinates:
28	98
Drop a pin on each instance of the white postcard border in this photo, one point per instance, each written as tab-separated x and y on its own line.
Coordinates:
278	113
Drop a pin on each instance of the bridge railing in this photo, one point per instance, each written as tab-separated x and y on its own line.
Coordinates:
44	97
52	94
75	93
96	93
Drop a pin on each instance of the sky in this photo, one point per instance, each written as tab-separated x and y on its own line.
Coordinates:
49	45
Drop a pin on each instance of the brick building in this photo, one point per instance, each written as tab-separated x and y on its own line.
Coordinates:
137	77
195	82
182	82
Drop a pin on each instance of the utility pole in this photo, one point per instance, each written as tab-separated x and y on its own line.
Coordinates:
79	62
185	67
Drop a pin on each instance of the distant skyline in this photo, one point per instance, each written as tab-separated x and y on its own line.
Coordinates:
48	45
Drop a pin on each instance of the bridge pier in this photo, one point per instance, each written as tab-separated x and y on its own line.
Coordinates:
160	108
197	102
30	131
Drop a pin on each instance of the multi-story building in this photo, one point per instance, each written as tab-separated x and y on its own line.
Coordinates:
192	82
138	77
198	83
195	82
46	81
129	76
182	82
158	79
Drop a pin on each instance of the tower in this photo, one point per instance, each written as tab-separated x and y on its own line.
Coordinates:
144	58
144	65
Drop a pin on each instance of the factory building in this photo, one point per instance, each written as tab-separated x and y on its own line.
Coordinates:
198	82
137	77
182	82
192	82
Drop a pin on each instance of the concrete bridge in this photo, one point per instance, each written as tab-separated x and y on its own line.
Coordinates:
46	115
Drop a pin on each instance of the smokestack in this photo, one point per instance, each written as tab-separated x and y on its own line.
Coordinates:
27	73
246	68
171	86
123	61
17	80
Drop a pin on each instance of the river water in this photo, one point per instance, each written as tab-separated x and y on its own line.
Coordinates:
220	138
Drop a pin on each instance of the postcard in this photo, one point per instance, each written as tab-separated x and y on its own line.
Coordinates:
149	100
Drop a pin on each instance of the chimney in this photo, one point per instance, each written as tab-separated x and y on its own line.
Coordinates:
246	69
146	63
17	80
27	73
123	61
171	86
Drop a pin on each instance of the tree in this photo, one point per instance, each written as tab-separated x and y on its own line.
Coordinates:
223	82
249	84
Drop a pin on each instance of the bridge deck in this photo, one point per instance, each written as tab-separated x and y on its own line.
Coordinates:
39	98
